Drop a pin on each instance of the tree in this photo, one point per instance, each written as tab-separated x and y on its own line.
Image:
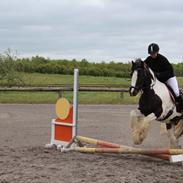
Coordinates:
8	73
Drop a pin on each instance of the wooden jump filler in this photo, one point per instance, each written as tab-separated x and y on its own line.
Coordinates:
64	127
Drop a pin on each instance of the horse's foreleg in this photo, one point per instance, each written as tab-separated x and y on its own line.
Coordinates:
140	125
146	124
135	117
171	136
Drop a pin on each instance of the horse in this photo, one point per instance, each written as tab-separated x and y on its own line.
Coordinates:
155	103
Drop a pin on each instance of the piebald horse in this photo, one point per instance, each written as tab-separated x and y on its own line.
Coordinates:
155	103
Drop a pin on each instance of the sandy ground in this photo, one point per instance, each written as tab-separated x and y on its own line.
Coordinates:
25	129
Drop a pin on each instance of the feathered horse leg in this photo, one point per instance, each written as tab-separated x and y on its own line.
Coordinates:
179	129
140	125
172	136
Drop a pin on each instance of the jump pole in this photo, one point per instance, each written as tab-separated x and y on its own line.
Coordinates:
104	145
173	155
129	151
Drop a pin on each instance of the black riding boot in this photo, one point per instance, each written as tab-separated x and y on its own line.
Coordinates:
179	104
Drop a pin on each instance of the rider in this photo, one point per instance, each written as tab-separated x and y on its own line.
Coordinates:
164	72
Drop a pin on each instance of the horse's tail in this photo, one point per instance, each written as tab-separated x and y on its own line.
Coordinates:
179	129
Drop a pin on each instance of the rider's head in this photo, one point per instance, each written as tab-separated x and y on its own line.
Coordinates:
153	50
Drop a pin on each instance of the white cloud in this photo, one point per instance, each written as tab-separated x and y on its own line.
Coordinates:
93	4
92	29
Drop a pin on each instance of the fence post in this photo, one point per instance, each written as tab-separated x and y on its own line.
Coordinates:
121	95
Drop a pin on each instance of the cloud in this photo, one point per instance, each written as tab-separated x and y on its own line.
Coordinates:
91	29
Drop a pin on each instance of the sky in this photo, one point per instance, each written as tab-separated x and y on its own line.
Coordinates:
97	30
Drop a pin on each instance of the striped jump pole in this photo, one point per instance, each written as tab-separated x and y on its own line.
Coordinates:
129	151
99	142
106	144
109	146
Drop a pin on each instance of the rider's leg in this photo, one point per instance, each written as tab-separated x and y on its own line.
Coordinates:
172	82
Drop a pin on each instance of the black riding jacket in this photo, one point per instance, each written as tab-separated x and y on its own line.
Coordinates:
161	66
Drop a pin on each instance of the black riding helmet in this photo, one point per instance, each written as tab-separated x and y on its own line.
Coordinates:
153	48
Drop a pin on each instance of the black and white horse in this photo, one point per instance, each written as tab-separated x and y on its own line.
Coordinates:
155	103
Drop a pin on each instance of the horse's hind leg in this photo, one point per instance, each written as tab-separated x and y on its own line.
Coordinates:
171	134
179	129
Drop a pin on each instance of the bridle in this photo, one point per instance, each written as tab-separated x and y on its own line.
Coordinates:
146	72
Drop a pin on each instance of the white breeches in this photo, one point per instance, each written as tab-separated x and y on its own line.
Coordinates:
172	82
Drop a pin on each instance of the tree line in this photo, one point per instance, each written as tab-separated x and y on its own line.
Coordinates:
44	65
10	66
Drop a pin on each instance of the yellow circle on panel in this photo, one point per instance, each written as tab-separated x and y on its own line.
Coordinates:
62	108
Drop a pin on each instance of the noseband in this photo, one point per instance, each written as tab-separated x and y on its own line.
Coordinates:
134	87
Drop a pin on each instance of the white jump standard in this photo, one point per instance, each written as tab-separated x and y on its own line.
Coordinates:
64	127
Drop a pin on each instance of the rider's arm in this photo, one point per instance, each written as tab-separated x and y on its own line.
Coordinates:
167	71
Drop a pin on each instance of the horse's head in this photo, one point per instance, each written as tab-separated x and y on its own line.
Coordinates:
141	77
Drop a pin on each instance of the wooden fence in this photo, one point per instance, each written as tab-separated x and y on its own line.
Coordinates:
62	89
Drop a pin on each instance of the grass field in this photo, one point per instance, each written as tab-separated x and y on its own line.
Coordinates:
36	79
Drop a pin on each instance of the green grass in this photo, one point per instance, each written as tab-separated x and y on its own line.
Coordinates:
84	97
36	79
28	97
180	81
